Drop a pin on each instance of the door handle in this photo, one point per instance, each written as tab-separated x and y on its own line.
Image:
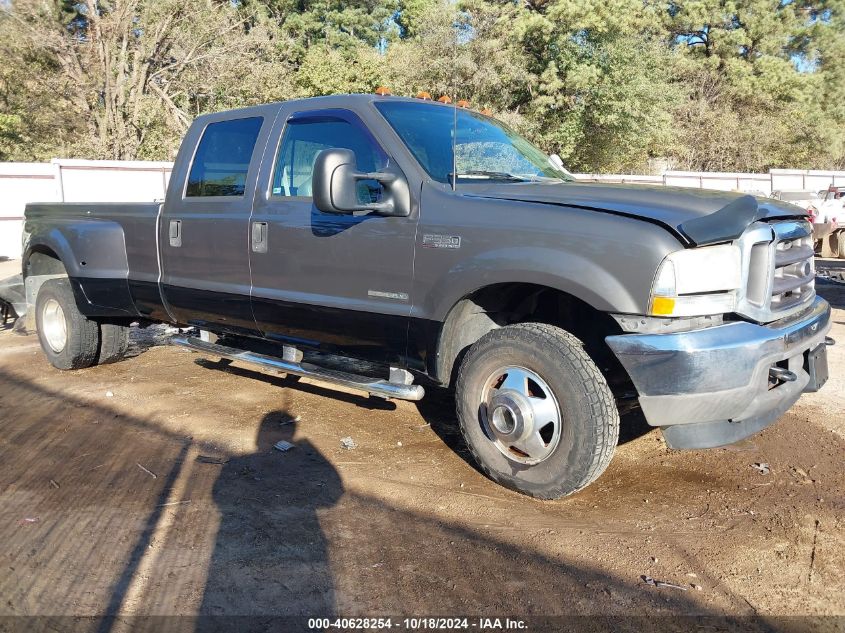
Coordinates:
259	237
176	233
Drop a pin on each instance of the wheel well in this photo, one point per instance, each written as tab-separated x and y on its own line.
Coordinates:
509	303
41	264
43	261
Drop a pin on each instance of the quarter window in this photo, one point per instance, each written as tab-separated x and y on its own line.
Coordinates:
306	137
222	159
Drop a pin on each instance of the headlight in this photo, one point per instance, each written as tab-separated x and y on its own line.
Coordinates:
697	282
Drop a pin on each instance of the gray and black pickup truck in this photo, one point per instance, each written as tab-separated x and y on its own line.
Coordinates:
434	247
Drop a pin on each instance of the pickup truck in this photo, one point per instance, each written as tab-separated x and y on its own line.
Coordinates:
433	246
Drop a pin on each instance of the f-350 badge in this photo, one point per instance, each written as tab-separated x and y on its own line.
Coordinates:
441	241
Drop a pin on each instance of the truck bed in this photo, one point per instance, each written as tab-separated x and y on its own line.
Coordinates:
107	248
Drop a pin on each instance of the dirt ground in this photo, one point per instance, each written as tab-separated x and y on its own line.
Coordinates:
152	487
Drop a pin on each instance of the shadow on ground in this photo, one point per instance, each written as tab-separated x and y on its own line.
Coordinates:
833	291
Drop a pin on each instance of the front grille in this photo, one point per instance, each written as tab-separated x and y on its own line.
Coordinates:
794	280
778	269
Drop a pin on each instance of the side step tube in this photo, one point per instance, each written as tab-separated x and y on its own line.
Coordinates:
382	388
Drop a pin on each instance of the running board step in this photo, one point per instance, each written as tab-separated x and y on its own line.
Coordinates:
382	388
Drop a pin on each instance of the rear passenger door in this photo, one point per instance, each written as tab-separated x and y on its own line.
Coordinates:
336	282
204	227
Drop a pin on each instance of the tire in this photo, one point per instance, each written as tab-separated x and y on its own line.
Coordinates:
833	245
114	343
68	338
578	447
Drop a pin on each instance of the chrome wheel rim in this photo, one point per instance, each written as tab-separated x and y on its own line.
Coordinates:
520	415
54	325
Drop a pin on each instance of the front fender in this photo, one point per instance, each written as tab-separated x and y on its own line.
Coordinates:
467	243
551	268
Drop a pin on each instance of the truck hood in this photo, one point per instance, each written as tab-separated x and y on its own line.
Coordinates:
695	216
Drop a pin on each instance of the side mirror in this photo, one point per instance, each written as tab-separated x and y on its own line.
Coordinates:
334	185
557	163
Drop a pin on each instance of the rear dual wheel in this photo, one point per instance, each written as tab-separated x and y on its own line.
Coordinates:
535	411
114	343
69	339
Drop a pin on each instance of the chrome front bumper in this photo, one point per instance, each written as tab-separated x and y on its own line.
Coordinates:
711	387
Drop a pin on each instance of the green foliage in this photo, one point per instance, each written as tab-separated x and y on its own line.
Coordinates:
744	85
411	14
11	133
327	70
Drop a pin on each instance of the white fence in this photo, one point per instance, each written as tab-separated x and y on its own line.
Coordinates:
73	181
136	181
774	180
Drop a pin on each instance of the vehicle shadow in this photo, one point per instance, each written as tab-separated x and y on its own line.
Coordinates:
142	339
832	291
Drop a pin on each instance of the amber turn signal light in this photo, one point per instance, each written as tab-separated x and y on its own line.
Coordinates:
662	306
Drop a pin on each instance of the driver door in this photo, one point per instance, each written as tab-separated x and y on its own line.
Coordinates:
339	283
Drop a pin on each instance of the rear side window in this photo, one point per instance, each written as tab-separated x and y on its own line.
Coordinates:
222	159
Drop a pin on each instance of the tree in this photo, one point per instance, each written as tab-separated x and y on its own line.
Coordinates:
411	13
137	71
608	84
326	70
587	89
764	80
336	22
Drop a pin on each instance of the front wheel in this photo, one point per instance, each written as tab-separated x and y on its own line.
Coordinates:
535	411
68	338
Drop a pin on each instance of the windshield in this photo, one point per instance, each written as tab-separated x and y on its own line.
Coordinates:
485	149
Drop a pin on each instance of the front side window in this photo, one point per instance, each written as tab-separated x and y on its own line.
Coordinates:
222	159
484	148
307	136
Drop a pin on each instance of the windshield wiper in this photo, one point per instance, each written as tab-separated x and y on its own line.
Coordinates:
492	175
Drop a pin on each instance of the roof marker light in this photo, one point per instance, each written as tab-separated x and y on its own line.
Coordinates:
445	99
383	91
425	96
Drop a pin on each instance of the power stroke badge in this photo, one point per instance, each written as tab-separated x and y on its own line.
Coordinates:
441	241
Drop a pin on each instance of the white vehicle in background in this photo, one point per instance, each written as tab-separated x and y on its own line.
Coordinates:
808	200
831	214
822	214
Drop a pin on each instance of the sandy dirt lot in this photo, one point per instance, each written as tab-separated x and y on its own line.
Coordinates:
152	487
